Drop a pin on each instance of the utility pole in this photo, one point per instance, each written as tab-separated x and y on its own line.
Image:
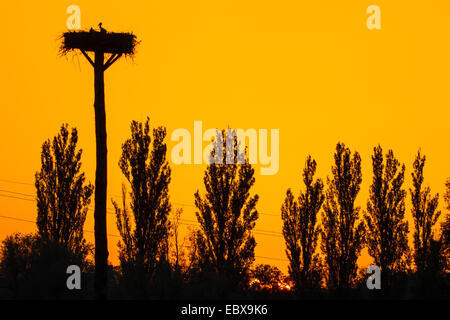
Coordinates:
100	43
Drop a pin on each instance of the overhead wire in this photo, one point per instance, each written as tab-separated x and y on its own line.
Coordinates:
187	222
112	211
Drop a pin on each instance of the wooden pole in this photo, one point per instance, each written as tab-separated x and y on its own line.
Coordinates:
101	240
100	43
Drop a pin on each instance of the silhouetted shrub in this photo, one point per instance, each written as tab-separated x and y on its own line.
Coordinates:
36	269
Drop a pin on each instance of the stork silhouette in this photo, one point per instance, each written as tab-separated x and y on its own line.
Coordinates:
101	28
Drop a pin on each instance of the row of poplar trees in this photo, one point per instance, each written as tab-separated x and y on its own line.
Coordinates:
344	230
323	228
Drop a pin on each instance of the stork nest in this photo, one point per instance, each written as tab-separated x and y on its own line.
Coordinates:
107	42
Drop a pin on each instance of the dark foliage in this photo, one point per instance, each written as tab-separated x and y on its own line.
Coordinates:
227	215
155	263
445	230
425	215
301	231
342	235
62	195
268	278
445	240
144	245
36	268
387	230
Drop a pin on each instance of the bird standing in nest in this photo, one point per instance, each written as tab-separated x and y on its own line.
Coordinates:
101	28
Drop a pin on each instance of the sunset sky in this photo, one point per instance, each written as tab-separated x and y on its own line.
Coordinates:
311	69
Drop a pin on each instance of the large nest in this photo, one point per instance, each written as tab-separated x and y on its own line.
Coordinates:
108	42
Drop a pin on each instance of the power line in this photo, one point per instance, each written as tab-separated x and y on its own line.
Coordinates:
19	193
117	196
260	232
112	212
193	224
117	236
13	197
256	231
278	259
30	221
16	182
18	219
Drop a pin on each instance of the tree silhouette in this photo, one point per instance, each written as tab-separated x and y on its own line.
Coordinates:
425	216
386	228
15	257
36	268
446	223
267	277
177	243
226	213
445	229
342	239
62	196
301	231
148	173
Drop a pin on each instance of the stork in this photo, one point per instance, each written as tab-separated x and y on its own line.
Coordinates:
101	28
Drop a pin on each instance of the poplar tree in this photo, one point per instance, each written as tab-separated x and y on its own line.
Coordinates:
226	213
445	228
62	195
144	226
387	230
425	215
342	234
301	230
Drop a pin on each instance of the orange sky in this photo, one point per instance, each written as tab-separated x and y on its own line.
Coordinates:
311	69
